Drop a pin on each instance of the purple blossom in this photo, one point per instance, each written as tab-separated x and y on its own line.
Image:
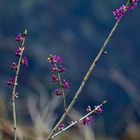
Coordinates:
133	4
88	109
58	92
65	84
24	61
58	59
54	79
19	38
118	13
14	66
87	120
19	51
10	81
55	62
98	109
53	69
54	59
134	1
60	69
61	126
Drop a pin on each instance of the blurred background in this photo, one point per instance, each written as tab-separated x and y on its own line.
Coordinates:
74	30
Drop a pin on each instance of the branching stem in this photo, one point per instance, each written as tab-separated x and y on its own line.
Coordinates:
84	81
62	89
86	77
75	122
14	90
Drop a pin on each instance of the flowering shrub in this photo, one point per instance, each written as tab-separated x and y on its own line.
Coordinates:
62	84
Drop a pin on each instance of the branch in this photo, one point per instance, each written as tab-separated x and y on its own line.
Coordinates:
14	94
74	123
86	77
84	81
62	90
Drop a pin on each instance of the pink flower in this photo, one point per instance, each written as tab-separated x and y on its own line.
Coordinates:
133	1
88	109
65	84
19	38
54	79
53	69
58	92
87	120
24	61
60	69
54	59
58	59
19	51
98	110
118	13
61	126
10	81
14	66
133	4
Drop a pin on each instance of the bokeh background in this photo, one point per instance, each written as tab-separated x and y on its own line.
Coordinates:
74	30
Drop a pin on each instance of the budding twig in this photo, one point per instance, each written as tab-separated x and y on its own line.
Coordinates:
75	122
84	80
62	90
14	87
86	77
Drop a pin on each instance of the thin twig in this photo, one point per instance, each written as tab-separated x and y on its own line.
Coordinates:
75	122
62	89
14	90
86	77
84	81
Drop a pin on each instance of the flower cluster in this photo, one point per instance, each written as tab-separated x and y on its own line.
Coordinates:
133	4
11	81
88	120
118	13
61	126
98	110
56	69
21	60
